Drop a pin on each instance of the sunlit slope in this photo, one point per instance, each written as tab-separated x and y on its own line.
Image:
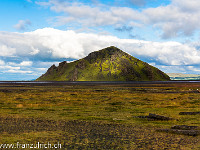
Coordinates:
109	64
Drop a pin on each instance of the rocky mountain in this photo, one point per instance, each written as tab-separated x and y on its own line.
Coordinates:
109	64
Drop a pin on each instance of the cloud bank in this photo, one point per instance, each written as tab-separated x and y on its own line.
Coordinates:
33	52
52	44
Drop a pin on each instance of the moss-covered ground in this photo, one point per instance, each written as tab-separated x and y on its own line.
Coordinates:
98	116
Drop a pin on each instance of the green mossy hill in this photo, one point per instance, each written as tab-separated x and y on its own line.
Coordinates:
109	64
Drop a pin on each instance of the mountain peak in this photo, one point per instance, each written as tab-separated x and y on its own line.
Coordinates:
105	53
108	64
112	49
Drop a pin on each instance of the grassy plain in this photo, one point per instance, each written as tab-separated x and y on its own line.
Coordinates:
98	116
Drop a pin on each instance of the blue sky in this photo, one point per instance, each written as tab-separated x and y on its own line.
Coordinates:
34	34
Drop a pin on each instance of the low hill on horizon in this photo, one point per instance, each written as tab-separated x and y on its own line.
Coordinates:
182	76
109	64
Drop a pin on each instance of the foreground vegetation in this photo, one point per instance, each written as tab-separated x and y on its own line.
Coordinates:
98	116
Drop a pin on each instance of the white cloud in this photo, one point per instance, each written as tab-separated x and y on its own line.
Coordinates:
22	64
185	5
174	69
86	15
180	17
34	51
22	24
42	69
26	63
6	50
192	68
17	71
15	68
6	67
2	63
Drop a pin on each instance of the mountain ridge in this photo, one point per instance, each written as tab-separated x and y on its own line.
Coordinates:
108	64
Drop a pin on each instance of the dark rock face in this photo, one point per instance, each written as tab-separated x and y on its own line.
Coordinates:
81	65
62	64
109	64
103	54
53	67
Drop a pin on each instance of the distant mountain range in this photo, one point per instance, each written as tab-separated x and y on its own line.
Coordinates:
109	64
181	76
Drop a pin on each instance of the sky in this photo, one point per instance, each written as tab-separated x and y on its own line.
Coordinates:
35	34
